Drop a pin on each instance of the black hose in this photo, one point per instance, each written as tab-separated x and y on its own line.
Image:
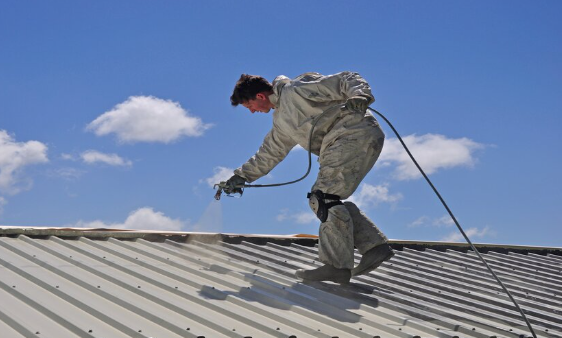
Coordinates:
456	222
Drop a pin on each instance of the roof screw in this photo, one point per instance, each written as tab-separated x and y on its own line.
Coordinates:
140	331
188	329
138	287
90	331
37	332
176	287
233	329
360	329
278	329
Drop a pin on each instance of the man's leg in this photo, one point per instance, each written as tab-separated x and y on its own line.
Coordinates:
343	165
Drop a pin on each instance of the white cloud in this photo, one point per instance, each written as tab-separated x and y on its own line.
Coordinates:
67	157
148	119
93	156
3	202
444	221
298	148
372	195
141	219
471	233
303	217
432	152
426	221
419	222
69	174
220	174
14	156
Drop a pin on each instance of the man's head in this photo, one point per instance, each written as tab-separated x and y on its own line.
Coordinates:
252	92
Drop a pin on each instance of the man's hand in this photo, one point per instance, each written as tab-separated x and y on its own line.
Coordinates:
357	103
233	185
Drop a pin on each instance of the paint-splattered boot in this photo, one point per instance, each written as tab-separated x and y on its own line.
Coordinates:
372	259
325	273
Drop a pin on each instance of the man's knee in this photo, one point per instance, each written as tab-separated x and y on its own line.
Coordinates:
320	203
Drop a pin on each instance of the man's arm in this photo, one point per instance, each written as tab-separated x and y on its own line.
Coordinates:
273	150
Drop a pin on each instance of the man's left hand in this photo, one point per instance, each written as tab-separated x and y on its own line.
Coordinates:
233	185
357	103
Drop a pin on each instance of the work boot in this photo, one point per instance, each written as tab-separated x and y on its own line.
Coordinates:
325	273
372	259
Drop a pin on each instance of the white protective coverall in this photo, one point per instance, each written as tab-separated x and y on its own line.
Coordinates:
348	144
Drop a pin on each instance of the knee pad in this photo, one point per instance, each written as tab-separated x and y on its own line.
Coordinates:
317	201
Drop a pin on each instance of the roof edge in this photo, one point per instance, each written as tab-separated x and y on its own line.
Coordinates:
209	237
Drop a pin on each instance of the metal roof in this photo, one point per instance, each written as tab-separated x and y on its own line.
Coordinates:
72	283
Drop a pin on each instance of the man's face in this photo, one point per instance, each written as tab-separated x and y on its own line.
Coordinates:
259	104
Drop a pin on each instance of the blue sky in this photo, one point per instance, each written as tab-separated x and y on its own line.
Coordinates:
117	114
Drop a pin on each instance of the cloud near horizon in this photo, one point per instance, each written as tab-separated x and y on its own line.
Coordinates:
94	156
372	195
472	233
426	221
14	157
141	219
302	217
2	203
433	152
148	119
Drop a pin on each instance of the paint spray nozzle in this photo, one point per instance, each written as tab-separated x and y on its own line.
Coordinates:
228	189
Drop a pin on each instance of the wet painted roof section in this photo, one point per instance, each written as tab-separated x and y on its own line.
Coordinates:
100	283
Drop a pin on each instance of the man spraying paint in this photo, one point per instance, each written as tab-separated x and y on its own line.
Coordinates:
348	142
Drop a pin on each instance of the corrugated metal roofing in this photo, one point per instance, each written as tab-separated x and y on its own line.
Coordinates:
54	286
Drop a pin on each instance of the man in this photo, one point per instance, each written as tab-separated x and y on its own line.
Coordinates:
348	141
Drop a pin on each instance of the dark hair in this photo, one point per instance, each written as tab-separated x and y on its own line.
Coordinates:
247	87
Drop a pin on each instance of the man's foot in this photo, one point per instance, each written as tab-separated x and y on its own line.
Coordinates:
372	259
325	273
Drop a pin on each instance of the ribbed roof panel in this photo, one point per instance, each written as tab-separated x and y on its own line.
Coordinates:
79	287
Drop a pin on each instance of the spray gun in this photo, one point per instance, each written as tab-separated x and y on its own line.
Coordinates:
222	186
